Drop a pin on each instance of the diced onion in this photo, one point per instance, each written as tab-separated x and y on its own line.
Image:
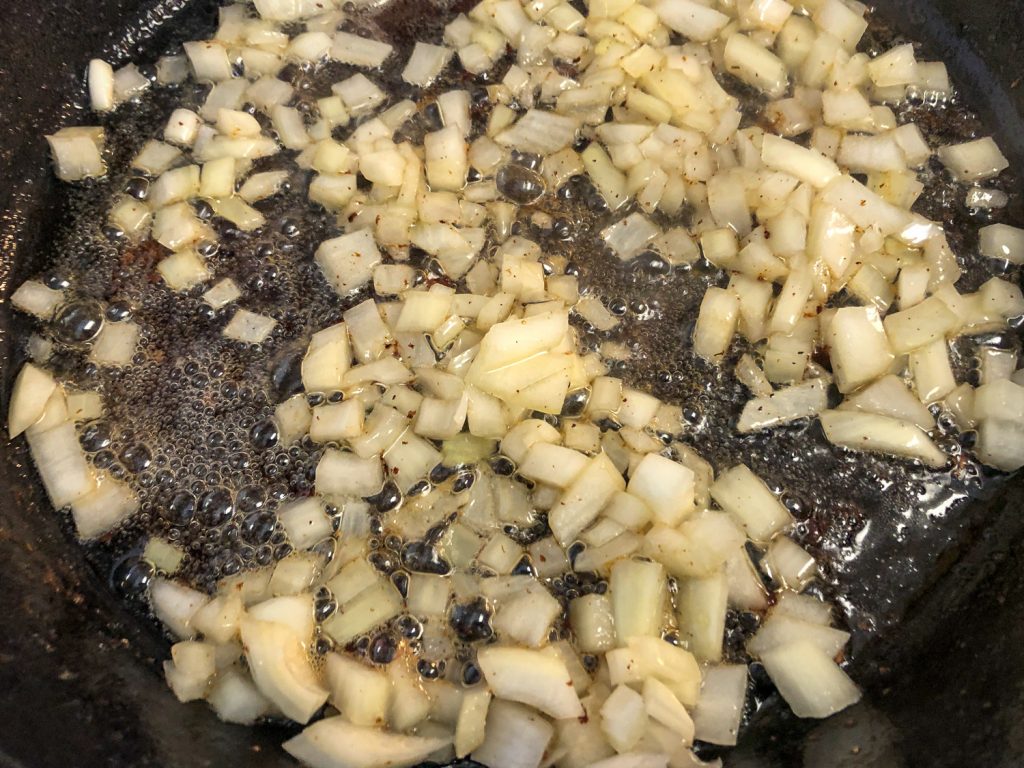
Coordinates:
425	64
249	327
810	682
37	299
77	153
101	86
873	432
359	51
1001	241
974	160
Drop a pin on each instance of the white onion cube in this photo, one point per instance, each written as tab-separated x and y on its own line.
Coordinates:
665	486
425	64
1001	241
77	153
811	683
249	327
348	261
116	343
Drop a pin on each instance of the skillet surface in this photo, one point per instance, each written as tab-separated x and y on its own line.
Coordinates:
939	642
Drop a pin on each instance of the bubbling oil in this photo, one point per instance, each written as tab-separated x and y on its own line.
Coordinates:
189	423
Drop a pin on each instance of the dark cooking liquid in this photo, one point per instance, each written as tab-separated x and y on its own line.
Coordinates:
187	423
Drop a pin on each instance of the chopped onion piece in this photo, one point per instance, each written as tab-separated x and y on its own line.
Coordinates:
37	299
348	261
305	522
594	312
527	618
858	347
540	132
471	724
177	227
691	19
702	605
881	434
172	70
889	396
745	496
1001	241
752	376
514	736
280	668
716	323
346	474
78	153
209	60
128	83
974	160
359	691
624	718
222	294
175	604
871	154
985	199
359	94
552	464
183	270
581	502
327	359
236	700
535	678
933	374
155	157
61	464
267	92
249	327
101	86
164	555
865	208
843	22
755	65
239	213
425	64
645	657
628	237
638	593
717	716
811	683
260	186
446	159
789	564
116	343
999	409
359	51
665	486
190	669
897	66
290	127
920	325
104	508
784	406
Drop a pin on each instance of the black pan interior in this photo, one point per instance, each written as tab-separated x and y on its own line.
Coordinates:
941	642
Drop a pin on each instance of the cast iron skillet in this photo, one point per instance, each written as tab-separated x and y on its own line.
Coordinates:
79	673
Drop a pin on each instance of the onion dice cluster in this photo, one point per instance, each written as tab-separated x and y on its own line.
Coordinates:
636	97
